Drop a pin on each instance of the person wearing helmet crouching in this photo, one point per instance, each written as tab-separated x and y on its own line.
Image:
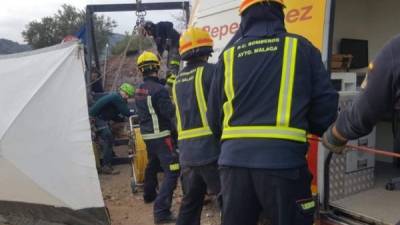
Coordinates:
156	112
198	148
111	107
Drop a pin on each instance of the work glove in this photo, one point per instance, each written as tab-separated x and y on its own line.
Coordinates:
331	142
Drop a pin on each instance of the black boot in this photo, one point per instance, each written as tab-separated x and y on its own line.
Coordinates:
169	219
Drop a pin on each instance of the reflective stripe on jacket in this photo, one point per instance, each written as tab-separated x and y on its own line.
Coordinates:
196	143
154	108
268	93
282	129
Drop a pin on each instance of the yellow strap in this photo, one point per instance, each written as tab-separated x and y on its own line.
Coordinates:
286	133
201	102
172	78
287	80
175	62
154	117
228	86
170	82
177	112
193	133
161	134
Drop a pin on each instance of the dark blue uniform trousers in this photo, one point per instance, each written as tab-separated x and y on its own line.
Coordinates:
106	142
161	152
197	181
284	196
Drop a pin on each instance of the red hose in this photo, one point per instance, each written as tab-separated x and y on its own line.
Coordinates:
364	149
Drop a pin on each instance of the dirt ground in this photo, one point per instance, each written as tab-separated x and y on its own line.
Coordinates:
129	209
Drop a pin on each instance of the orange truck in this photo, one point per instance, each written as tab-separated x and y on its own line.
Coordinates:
350	188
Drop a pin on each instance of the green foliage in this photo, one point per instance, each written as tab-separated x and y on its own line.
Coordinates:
68	20
137	43
103	27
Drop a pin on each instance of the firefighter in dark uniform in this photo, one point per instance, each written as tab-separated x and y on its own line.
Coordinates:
380	96
156	111
198	148
166	38
270	89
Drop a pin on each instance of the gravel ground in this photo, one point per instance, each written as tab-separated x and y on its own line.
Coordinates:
129	209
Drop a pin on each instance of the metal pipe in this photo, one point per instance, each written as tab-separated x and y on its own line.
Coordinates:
105	66
133	7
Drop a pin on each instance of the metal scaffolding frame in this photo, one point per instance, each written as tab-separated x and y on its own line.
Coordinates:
91	48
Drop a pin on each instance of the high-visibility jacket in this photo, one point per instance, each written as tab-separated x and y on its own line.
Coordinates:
154	108
270	91
197	145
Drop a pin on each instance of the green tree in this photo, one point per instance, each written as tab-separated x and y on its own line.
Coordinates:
68	20
137	43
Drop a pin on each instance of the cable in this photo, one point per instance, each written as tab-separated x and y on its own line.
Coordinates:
122	61
137	30
328	161
364	149
105	65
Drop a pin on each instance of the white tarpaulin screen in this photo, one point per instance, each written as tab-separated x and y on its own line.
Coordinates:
46	154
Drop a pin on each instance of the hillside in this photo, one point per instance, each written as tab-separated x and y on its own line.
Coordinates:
9	47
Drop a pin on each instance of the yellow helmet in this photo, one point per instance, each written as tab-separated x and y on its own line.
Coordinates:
148	62
247	3
195	42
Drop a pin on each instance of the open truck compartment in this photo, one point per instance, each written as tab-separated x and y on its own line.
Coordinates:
358	180
375	203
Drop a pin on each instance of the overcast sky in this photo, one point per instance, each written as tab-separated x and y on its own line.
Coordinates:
15	14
